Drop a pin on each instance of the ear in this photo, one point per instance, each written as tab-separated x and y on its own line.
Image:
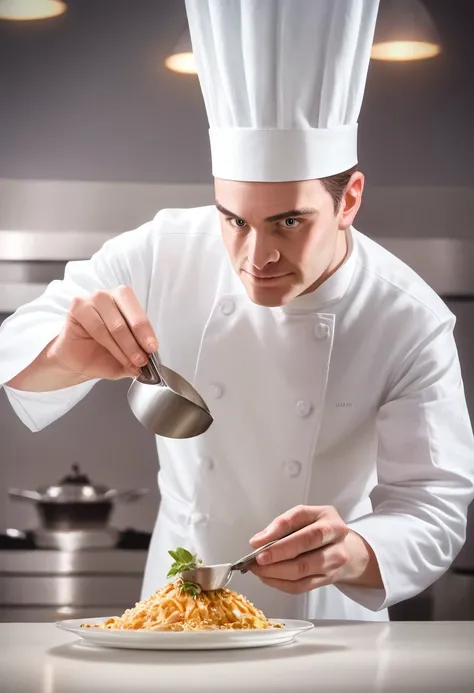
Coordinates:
351	200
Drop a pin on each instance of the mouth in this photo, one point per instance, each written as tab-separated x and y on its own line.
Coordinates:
266	279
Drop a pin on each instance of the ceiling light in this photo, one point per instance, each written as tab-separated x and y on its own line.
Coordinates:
404	31
24	10
182	58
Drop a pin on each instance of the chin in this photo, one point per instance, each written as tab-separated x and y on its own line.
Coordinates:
270	299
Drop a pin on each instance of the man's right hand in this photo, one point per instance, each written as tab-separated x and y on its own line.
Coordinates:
107	335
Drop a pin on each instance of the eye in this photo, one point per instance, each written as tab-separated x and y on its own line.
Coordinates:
289	223
237	223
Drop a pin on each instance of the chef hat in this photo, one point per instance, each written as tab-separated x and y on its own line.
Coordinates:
283	82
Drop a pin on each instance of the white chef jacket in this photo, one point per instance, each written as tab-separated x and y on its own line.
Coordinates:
349	396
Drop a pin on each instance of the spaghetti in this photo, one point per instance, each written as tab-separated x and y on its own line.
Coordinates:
172	609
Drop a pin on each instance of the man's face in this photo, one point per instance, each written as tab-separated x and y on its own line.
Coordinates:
283	239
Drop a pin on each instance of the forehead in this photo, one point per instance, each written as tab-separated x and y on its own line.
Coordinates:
261	200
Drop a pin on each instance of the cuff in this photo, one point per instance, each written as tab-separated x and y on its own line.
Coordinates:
39	409
370	598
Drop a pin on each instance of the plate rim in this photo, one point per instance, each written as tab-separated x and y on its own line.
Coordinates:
73	626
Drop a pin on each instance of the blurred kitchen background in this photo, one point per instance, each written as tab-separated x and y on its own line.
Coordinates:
97	134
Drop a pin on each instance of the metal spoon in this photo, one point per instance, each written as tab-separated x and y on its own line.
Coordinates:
216	577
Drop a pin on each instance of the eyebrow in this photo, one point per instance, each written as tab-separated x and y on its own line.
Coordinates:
304	211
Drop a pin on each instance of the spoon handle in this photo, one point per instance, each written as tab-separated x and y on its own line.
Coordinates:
243	563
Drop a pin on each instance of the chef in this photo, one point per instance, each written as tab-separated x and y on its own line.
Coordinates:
329	366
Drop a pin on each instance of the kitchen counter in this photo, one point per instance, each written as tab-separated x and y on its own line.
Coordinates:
335	656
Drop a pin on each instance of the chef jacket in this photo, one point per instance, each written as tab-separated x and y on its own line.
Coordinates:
348	396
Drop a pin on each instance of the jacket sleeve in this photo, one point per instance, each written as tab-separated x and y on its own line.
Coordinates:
124	260
425	470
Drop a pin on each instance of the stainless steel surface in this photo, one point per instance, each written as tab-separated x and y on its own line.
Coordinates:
70	590
126	496
51	613
107	562
15	533
71	219
444	263
41	585
216	577
76	540
166	404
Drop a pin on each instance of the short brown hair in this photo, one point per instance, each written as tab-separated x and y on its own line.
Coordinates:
336	185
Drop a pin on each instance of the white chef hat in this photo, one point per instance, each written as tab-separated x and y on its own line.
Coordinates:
283	82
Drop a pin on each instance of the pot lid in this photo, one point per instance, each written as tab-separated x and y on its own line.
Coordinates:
74	487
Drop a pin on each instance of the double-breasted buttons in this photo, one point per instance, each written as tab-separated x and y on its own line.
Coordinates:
322	331
293	468
304	408
217	390
227	307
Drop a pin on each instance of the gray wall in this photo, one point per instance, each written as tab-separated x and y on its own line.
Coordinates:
86	97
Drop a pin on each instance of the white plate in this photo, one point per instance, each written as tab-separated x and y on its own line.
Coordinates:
194	640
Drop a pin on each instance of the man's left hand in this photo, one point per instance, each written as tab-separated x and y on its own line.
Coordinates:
321	551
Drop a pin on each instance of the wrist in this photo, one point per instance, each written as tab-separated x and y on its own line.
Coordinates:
361	568
46	373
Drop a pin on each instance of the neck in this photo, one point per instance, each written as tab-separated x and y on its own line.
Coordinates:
338	259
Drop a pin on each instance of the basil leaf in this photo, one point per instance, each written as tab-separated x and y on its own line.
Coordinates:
185	556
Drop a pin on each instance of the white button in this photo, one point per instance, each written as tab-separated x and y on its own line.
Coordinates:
217	391
322	331
207	463
293	468
227	307
199	519
304	408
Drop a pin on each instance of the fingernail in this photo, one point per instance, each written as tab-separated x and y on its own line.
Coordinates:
263	558
151	344
139	359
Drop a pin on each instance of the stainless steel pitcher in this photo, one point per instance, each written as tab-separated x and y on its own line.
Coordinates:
166	404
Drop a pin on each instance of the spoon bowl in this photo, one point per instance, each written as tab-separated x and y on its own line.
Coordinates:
216	577
210	577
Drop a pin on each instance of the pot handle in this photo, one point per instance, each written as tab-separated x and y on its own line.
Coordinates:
24	495
126	496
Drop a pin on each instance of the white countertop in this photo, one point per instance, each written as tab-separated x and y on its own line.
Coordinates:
335	656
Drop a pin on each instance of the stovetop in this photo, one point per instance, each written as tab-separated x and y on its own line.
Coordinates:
129	539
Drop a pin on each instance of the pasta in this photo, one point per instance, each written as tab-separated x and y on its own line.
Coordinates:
173	609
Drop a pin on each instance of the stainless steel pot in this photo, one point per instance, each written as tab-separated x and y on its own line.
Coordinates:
74	503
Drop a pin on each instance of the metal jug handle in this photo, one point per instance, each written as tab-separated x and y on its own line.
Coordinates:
152	370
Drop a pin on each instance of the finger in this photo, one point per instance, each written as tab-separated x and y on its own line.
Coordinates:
118	328
87	316
295	519
319	563
136	318
298	586
288	522
313	536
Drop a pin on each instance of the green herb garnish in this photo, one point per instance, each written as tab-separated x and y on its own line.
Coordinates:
184	561
190	588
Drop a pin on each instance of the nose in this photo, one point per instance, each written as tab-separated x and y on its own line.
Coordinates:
261	250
